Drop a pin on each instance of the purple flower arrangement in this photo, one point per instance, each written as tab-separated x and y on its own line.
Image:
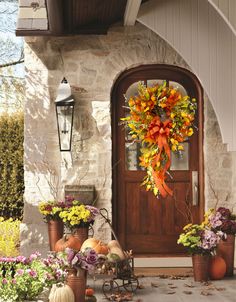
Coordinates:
208	240
86	260
222	220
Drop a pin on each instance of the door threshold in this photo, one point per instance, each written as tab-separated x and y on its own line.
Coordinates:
166	262
163	272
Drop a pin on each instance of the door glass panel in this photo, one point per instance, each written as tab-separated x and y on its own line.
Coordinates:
132	150
132	153
132	90
181	89
180	160
154	82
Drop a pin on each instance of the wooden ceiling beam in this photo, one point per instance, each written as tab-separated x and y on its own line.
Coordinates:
131	12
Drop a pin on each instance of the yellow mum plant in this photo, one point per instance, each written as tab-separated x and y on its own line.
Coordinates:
9	237
78	215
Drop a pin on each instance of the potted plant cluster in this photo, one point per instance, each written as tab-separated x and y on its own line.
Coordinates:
77	218
50	211
25	278
77	264
70	213
223	220
214	241
200	241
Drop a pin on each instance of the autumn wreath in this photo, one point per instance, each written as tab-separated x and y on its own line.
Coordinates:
160	118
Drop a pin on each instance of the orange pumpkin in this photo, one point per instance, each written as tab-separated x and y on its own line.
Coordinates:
89	291
89	243
217	268
97	245
68	241
101	248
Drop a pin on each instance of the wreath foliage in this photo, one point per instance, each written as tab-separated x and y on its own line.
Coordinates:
161	119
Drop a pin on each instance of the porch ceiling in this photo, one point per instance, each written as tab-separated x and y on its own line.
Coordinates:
73	16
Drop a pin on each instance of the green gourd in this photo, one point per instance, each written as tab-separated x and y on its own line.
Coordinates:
61	294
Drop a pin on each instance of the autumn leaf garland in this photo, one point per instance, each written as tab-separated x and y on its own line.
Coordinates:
161	119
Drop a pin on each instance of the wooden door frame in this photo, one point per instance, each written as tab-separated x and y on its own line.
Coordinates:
182	76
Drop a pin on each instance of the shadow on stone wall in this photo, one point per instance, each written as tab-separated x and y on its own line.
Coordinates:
33	232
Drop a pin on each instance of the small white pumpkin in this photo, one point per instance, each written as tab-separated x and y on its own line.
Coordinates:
61	294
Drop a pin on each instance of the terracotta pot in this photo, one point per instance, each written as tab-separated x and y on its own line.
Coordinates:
225	249
55	232
77	279
200	267
81	233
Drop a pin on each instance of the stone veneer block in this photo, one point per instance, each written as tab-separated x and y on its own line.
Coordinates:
30	12
24	23
41	24
28	3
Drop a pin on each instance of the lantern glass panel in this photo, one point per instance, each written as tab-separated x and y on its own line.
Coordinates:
65	121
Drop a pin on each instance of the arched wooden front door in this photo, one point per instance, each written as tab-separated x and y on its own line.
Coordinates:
143	223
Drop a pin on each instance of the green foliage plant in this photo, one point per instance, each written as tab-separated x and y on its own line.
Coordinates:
24	278
9	237
11	164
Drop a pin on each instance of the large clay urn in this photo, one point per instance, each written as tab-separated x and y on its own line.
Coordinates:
55	232
226	250
81	233
77	279
200	267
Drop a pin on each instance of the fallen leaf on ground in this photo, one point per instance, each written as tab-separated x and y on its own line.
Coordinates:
220	288
207	283
179	277
121	297
189	285
154	285
187	292
141	286
170	292
206	293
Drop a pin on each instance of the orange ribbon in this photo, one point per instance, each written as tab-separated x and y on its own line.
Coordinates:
159	131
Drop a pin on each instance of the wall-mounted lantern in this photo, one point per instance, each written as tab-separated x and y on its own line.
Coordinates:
65	115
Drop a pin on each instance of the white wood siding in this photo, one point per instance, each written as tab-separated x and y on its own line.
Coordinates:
207	43
228	9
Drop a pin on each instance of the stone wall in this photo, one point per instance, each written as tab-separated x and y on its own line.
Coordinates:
219	172
91	64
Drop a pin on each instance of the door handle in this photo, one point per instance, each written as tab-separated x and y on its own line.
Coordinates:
195	188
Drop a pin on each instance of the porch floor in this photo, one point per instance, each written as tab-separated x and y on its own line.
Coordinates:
174	285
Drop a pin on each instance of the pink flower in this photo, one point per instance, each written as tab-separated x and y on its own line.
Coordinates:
4	281
20	272
32	273
34	256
